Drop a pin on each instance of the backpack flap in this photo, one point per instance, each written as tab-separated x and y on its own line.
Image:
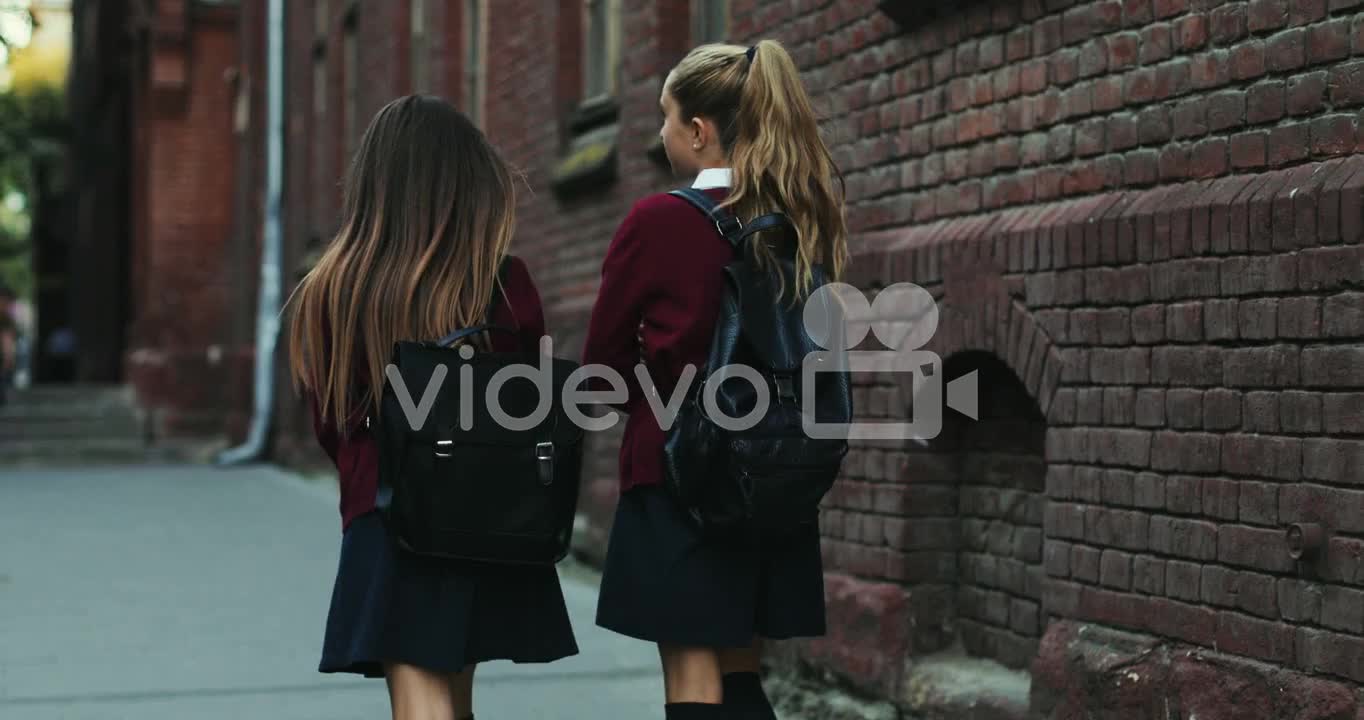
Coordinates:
478	480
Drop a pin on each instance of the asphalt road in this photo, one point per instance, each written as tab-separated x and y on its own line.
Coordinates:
196	592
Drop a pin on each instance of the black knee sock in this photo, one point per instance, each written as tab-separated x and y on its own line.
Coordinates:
695	711
744	693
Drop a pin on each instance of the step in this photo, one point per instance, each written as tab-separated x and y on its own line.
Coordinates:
74	393
121	426
45	453
62	452
111	412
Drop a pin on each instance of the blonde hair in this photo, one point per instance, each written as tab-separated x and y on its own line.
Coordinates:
427	219
769	130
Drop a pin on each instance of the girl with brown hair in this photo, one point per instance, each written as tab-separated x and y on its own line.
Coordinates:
422	251
740	122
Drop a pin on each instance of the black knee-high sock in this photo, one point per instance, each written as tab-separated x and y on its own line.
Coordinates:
695	711
744	693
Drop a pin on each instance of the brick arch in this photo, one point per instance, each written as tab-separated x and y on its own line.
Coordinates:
962	263
980	316
982	526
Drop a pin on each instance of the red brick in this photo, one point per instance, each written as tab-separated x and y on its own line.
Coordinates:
1193	539
1137	12
1209	158
1261	413
1329	268
1148	575
1344	315
1342	609
1343	413
1191	32
1276	366
1286	51
1347	84
1302	12
1248	150
1335	508
1256	548
1192	623
1300	412
1244	635
1221	498
1221	409
1327	652
1266	15
1299	600
1173	78
1254	275
1184	494
1169	8
1210	69
1157	43
1182	580
1334	134
1333	460
1226	109
1265	102
1259	502
1248	60
1228	23
1328	41
1307	93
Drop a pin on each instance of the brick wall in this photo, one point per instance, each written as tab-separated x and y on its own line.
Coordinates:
189	280
1142	219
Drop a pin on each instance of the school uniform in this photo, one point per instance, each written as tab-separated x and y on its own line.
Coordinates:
663	582
389	605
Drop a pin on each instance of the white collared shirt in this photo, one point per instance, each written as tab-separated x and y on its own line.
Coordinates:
712	178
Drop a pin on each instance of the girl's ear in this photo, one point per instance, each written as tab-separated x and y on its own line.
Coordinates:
698	133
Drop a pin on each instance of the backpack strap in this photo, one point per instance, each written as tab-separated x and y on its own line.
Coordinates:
462	333
729	226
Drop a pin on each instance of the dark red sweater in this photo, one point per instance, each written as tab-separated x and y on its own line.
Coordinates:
356	454
661	281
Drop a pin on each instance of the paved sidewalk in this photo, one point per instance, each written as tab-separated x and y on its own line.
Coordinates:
195	592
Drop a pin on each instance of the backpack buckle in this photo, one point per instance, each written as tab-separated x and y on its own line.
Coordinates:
444	445
735	225
786	387
544	455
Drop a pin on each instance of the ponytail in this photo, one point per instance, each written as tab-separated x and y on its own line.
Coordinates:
778	159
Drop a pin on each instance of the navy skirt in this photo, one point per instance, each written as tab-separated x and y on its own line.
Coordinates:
664	583
389	605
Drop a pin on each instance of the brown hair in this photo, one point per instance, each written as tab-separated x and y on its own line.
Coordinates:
427	218
769	130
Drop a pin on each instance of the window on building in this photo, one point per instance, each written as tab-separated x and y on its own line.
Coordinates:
320	17
475	36
709	21
420	47
601	40
350	68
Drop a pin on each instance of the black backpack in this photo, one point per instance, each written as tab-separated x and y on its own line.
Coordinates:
767	480
463	486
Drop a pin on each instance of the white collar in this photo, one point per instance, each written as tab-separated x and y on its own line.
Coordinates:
712	178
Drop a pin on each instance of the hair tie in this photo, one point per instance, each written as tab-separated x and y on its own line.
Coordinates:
750	52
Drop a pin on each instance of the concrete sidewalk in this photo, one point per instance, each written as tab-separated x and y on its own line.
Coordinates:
193	592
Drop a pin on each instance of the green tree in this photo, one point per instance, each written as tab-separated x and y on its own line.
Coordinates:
30	130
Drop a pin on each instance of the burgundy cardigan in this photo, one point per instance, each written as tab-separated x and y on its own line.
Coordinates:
355	453
661	282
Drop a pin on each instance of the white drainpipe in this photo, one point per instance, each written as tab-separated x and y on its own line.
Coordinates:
267	314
